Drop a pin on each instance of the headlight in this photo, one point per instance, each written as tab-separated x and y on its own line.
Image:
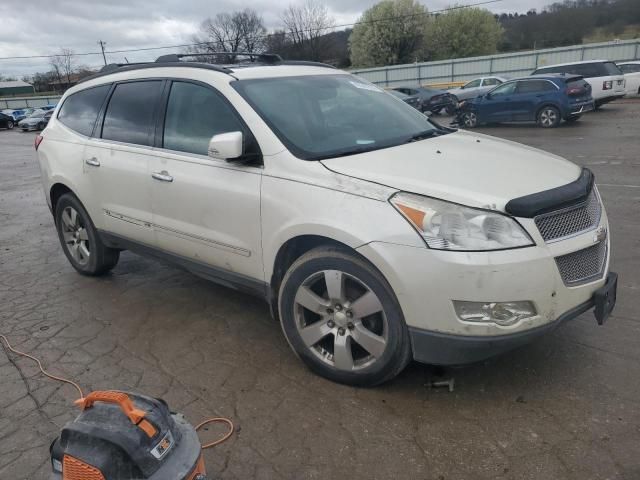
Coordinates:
448	226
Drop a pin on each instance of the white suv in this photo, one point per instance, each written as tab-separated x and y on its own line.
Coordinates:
375	235
605	77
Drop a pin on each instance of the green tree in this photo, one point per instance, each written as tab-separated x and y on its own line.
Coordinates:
466	32
389	33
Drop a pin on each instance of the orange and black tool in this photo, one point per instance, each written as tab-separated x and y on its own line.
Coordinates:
120	435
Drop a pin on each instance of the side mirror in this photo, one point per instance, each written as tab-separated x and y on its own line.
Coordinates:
226	146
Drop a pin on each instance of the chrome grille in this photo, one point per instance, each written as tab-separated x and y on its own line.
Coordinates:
584	265
570	221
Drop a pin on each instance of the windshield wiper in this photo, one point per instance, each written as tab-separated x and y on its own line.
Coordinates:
424	134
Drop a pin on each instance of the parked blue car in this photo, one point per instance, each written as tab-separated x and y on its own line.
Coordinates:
544	99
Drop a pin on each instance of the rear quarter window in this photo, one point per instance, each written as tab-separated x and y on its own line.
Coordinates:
80	110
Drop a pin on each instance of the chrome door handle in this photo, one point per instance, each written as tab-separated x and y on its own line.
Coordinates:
93	161
163	176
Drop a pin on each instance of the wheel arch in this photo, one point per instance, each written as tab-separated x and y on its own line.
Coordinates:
548	104
56	191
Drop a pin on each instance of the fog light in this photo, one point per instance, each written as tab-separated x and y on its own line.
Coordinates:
501	313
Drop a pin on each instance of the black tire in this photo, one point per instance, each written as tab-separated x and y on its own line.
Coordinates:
548	117
374	369
101	259
572	119
10	125
469	120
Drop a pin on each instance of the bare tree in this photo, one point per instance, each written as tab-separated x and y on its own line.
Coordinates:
63	66
307	25
241	31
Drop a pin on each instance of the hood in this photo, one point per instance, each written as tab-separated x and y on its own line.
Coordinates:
462	167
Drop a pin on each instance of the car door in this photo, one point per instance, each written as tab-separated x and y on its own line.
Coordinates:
205	210
470	90
497	104
116	159
529	95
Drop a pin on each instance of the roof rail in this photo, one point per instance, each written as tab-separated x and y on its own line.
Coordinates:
268	58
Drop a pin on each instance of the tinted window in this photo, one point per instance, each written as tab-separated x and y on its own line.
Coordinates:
194	115
130	114
630	68
80	110
532	86
506	89
587	70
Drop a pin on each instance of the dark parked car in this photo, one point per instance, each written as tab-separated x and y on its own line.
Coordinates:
6	121
544	99
412	100
431	100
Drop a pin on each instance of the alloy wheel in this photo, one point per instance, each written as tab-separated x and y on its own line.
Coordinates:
341	320
76	237
470	120
548	117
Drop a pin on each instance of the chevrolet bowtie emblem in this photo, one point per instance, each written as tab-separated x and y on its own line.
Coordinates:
600	235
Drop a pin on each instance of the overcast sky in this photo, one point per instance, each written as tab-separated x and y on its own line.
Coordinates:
40	27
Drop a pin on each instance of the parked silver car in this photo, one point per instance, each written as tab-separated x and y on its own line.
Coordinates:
36	121
476	87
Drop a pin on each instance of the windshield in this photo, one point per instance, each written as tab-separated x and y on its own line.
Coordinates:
37	115
323	116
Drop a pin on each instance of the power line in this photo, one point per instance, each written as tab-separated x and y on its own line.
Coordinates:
259	37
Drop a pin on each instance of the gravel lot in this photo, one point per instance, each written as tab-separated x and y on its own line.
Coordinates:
566	407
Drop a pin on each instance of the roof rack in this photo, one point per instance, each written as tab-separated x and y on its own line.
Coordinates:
267	58
174	60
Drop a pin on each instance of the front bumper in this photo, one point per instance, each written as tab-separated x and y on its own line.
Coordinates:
442	349
427	281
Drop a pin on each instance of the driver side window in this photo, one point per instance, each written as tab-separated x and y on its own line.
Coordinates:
505	89
194	115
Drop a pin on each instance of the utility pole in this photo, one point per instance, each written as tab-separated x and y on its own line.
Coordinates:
102	44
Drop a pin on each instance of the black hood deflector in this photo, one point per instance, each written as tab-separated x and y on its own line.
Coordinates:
557	198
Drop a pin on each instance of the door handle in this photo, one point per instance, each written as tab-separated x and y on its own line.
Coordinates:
163	176
93	161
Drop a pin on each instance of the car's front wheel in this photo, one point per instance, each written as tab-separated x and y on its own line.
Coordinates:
549	117
10	125
80	240
342	319
469	119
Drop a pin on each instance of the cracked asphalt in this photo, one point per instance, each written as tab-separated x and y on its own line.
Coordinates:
565	407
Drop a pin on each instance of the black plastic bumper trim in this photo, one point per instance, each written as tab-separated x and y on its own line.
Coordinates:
437	348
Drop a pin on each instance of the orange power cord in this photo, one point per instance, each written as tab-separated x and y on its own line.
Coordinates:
224	438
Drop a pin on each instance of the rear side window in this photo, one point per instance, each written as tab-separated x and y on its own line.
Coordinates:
130	116
533	86
80	110
194	115
587	70
611	68
630	68
490	81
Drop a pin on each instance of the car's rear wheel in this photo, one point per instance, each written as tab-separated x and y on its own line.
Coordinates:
342	319
549	117
469	119
80	240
